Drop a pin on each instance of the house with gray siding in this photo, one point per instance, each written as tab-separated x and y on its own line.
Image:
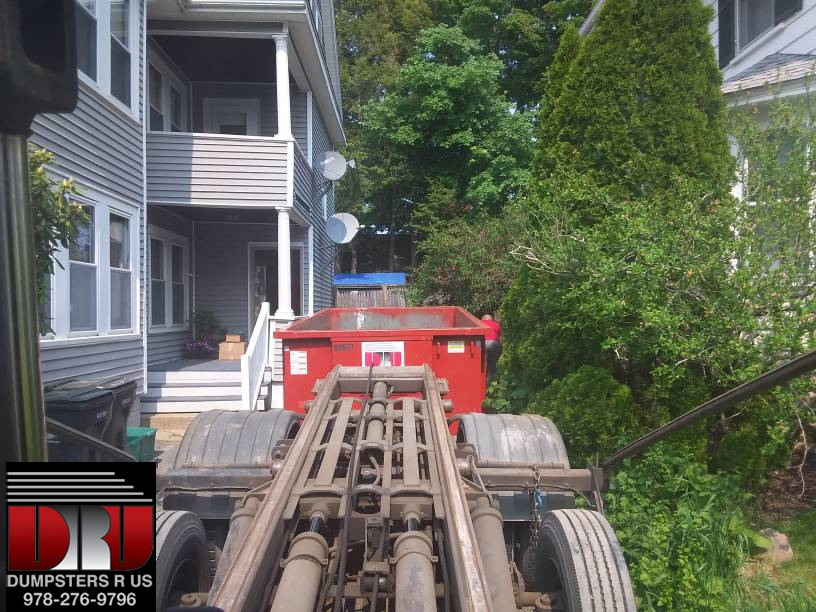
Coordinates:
196	144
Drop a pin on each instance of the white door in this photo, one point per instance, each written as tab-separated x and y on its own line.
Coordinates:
232	116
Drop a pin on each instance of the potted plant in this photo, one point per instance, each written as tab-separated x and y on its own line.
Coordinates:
203	345
203	348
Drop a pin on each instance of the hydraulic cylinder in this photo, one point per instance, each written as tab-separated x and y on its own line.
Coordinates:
487	523
415	588
300	583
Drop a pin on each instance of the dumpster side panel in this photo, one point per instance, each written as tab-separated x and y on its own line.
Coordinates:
461	360
305	360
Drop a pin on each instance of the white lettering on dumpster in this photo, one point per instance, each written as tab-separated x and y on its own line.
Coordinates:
298	362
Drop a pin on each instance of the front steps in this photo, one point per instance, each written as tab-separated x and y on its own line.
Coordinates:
193	391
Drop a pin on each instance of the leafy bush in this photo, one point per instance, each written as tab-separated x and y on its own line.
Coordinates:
682	533
595	413
465	264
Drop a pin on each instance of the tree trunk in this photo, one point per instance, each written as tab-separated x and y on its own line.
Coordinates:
391	249
353	246
392	239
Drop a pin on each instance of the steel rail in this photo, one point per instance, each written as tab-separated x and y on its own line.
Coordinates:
472	589
778	376
249	575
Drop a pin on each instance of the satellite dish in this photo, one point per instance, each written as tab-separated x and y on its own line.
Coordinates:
342	227
332	165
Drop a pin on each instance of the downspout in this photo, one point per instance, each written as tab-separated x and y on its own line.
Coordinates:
145	239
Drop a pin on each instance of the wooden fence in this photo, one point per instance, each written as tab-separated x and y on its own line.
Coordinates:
362	297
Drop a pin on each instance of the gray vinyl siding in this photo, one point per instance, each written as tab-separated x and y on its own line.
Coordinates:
300	126
214	170
102	359
304	184
221	268
101	146
323	252
266	94
330	47
168	345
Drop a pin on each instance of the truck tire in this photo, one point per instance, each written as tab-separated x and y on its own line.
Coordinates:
579	555
234	439
182	557
519	438
523	439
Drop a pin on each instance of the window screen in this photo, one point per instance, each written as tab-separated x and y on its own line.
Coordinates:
86	37
82	271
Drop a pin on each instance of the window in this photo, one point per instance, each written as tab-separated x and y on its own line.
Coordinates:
157	293
82	255
93	288
120	52
120	281
742	21
176	110
168	98
155	91
177	279
86	37
107	34
168	279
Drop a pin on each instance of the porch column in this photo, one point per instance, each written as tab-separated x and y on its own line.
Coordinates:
284	310
282	85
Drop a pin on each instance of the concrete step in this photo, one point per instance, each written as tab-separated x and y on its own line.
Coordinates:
193	389
192	376
190	404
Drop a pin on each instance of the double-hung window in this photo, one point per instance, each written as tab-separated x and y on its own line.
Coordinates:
86	37
82	275
740	22
168	97
93	289
121	277
107	38
168	279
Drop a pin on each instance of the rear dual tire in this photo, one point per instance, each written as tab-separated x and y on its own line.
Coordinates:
182	557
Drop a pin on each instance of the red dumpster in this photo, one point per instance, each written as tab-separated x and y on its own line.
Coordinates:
447	338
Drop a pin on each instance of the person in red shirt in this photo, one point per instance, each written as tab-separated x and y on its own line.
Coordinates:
493	345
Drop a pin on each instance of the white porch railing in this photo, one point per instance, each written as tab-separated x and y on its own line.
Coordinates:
256	359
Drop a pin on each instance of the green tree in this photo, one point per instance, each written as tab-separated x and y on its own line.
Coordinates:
640	103
376	38
468	152
524	34
55	217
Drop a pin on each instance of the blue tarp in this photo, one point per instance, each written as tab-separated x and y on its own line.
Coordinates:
369	279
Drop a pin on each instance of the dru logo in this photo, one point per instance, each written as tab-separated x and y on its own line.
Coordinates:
77	521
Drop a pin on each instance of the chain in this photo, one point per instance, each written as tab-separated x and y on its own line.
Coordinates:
536	503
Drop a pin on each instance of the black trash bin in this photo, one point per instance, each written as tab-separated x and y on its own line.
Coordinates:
86	408
124	394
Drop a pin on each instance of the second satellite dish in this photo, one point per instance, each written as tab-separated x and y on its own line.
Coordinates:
342	227
332	165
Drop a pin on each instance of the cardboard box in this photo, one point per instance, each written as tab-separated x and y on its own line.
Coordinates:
231	350
233	338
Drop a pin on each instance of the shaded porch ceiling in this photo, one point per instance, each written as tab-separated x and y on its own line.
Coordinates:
213	214
228	60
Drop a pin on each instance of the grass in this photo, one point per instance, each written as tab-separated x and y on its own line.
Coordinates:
789	587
